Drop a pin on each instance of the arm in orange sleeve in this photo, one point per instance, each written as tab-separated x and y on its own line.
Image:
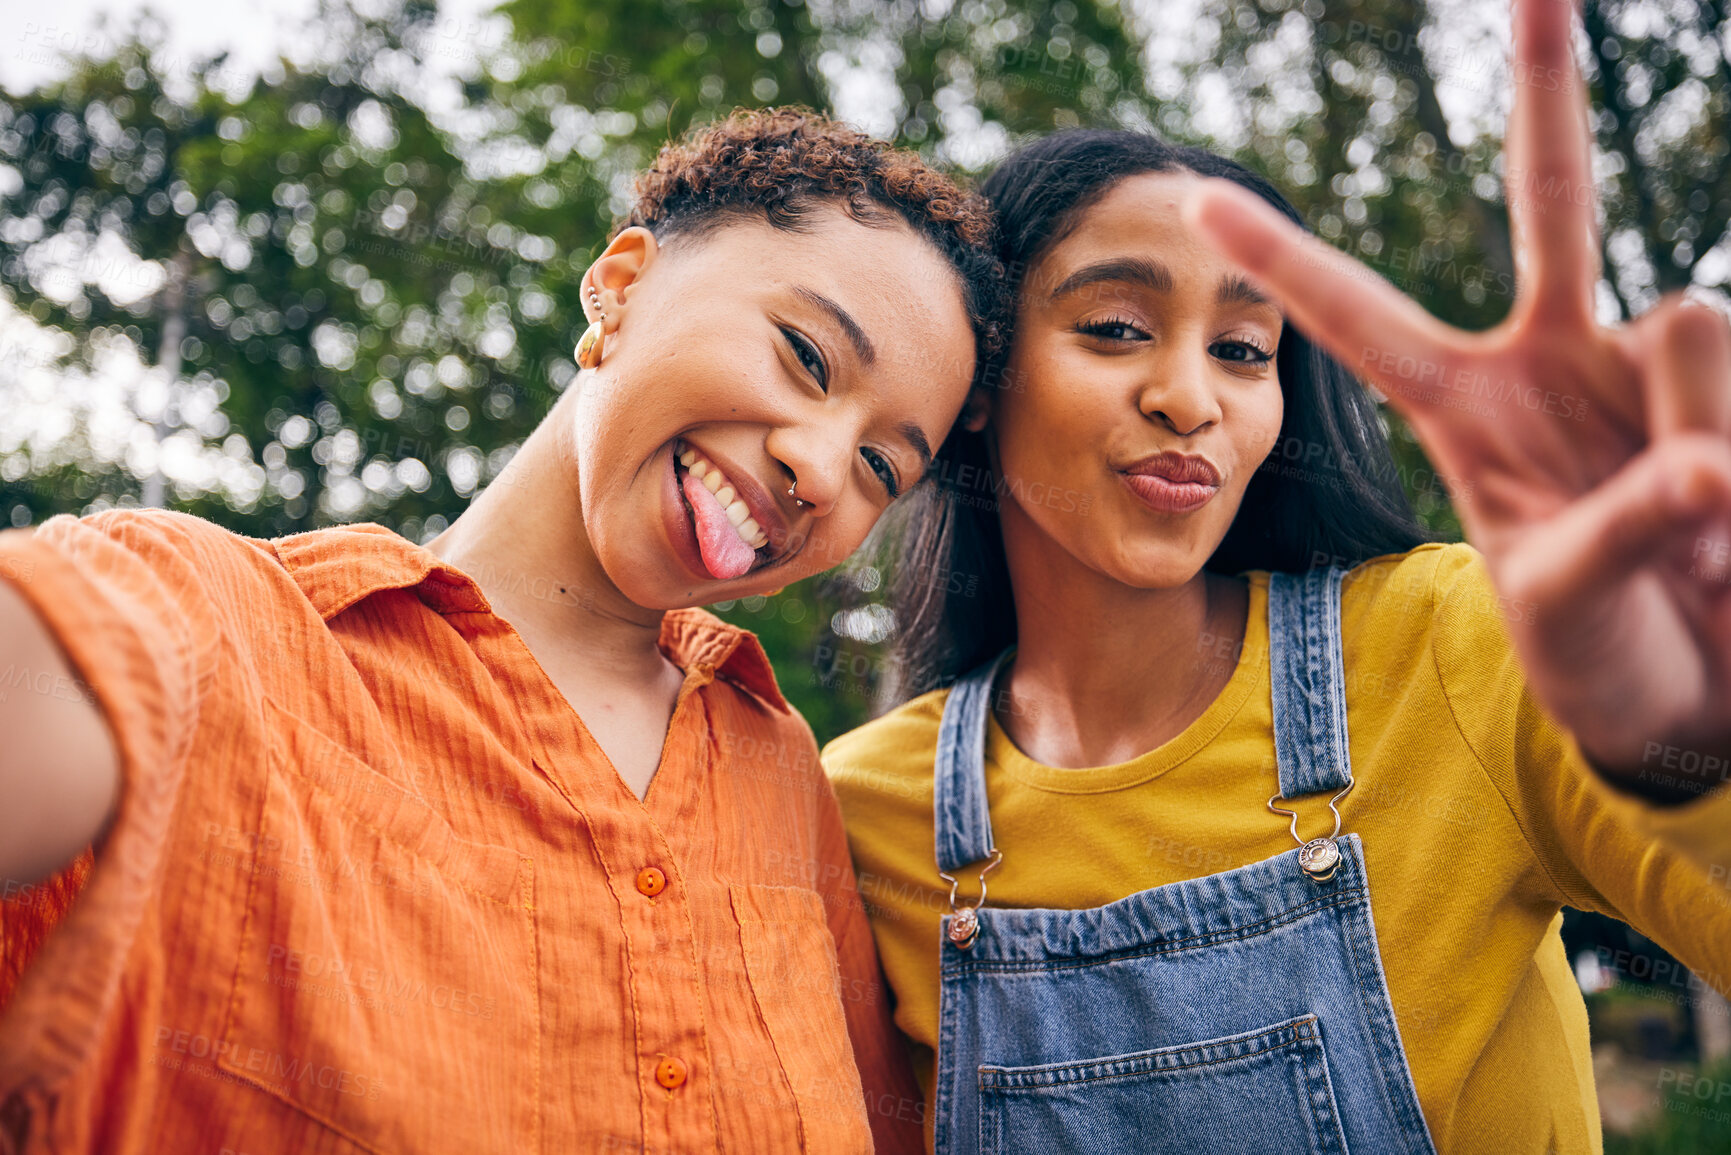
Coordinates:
59	782
122	601
58	772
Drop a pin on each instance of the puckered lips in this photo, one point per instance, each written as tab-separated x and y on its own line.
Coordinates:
725	518
1172	482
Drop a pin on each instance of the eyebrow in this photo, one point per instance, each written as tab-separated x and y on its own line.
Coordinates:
916	437
1236	290
1134	270
856	336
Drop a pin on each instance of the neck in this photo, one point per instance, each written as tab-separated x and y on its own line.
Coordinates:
1105	672
524	543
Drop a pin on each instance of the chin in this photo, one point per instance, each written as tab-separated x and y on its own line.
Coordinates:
658	584
650	579
1158	568
1166	579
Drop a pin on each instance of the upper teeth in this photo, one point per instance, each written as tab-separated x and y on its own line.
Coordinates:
738	513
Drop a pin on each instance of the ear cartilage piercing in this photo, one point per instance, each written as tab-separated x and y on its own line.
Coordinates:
589	346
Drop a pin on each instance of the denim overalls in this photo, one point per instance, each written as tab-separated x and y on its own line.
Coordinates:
1243	1011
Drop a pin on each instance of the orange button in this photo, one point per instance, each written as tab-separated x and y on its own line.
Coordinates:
652	882
670	1072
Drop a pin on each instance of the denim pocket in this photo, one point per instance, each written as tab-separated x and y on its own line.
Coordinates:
1266	1090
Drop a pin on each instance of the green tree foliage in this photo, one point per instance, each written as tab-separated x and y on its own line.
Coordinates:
1692	1118
327	297
333	310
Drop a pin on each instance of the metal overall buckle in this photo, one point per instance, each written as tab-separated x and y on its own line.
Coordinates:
964	925
1320	857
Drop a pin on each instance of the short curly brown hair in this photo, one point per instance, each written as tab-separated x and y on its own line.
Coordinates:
779	163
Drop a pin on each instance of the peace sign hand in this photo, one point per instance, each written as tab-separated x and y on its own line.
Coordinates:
1590	465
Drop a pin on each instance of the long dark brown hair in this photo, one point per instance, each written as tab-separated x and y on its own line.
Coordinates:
1329	494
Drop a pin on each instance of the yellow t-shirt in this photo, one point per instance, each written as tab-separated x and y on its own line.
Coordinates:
1479	820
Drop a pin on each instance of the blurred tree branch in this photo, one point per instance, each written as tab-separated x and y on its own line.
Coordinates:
379	302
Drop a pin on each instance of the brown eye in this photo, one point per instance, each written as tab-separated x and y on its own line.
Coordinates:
808	357
1241	352
886	472
1111	329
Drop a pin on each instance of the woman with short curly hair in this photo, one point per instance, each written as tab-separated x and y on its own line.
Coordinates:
498	844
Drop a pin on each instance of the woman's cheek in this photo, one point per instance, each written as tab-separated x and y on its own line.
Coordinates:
1020	451
1262	420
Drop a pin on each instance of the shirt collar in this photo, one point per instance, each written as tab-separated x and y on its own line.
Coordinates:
697	637
341	566
338	567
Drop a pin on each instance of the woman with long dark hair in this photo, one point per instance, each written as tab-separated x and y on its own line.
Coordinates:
1189	687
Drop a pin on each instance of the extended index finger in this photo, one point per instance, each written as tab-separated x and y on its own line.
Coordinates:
1548	165
1370	326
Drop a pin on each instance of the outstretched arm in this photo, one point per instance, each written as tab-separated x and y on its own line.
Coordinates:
1591	465
59	772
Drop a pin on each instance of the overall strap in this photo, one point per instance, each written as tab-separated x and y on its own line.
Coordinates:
1308	677
962	824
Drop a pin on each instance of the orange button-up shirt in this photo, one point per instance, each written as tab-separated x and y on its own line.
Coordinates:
373	887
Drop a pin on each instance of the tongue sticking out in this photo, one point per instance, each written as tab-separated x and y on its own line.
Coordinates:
724	552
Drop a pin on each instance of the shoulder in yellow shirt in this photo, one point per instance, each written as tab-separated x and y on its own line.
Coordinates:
1479	820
